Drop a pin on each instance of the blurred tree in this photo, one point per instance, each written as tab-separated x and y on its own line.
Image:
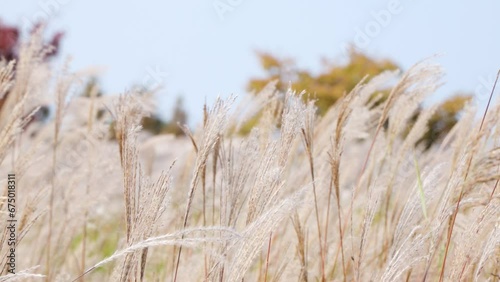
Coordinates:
10	41
9	48
444	119
156	125
337	80
92	85
327	86
153	124
179	117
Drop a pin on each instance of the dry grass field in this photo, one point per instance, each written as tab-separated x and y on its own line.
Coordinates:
343	197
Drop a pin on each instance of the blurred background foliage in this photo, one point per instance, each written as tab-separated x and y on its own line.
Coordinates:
327	86
10	41
152	124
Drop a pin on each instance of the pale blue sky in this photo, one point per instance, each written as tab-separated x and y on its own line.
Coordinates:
207	53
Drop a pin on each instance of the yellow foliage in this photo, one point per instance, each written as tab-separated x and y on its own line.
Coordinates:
328	86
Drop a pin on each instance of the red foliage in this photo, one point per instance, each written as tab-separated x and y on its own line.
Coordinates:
10	40
9	48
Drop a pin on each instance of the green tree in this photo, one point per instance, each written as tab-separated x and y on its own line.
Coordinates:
156	125
179	117
444	119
